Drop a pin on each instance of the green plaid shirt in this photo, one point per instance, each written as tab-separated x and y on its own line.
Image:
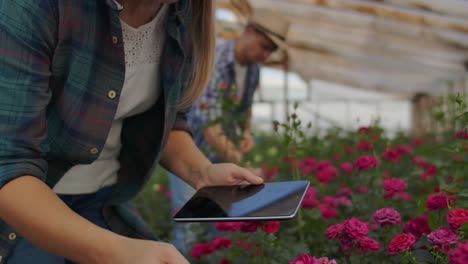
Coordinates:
61	72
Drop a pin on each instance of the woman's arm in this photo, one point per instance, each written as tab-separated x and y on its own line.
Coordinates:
48	223
31	208
182	157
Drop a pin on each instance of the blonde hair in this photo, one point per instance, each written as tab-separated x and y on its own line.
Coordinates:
203	37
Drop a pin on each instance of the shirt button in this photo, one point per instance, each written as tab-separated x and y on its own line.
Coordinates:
115	40
111	94
93	151
12	236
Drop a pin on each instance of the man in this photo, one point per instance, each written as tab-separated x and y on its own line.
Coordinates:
220	120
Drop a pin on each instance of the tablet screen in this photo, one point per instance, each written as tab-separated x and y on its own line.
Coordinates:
269	201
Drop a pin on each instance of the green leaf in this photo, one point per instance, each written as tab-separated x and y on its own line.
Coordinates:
422	206
464	228
433	221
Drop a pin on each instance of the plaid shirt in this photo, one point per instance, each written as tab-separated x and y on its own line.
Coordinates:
221	86
61	72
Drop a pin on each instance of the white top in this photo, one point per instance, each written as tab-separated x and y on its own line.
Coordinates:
143	47
241	73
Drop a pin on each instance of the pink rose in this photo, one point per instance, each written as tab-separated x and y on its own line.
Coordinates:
459	255
303	259
442	237
324	260
355	229
347	167
401	242
440	201
328	212
457	218
367	244
310	198
417	226
394	185
325	175
364	145
345	191
362	189
271	227
334	231
307	166
366	162
420	162
404	149
387	216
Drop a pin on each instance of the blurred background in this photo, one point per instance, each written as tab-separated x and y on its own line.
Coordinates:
353	63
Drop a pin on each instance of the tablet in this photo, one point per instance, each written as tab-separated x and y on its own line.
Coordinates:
269	201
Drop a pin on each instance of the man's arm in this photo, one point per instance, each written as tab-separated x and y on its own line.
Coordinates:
215	137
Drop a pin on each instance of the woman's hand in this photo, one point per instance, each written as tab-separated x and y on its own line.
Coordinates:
226	174
144	252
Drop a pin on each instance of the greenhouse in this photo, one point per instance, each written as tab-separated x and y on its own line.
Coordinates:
368	103
234	131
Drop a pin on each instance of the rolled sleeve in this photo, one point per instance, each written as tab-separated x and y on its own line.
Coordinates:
181	123
27	41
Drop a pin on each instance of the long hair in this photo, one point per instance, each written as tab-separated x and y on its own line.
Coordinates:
203	37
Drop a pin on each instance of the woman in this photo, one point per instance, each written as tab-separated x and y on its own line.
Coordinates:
93	93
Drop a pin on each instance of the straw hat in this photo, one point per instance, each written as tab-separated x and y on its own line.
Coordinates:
272	25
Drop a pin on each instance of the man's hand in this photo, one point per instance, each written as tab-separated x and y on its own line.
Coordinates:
247	143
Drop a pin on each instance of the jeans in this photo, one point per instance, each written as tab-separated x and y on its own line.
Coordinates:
181	192
88	206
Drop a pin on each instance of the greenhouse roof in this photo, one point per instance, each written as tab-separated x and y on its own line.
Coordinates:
401	47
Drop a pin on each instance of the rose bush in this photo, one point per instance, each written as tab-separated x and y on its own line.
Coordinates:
374	198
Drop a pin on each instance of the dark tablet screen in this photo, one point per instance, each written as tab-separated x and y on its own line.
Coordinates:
269	201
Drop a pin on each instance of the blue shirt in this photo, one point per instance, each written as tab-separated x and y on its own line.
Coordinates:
221	88
62	69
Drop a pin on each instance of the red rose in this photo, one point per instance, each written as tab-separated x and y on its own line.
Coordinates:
440	201
221	242
228	226
457	218
271	227
366	162
201	249
368	244
250	227
402	242
417	226
391	155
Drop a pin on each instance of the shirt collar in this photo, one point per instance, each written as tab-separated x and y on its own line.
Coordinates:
179	10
